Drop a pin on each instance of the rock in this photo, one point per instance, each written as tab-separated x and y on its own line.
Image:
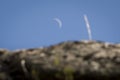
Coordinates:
71	60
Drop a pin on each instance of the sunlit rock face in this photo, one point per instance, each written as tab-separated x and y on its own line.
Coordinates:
70	60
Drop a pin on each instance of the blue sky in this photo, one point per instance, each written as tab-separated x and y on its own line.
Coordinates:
30	24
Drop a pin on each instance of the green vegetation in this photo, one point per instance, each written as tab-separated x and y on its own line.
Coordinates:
57	60
69	73
35	74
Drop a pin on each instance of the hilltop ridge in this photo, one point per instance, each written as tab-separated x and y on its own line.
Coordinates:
70	60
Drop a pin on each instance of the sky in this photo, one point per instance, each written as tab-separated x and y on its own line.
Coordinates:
31	23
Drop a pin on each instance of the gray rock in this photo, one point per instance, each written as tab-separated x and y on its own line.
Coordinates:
71	60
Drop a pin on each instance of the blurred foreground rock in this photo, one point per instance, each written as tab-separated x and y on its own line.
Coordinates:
72	60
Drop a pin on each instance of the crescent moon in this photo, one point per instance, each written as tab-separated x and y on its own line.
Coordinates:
58	21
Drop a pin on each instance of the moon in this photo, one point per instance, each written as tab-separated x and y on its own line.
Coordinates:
58	21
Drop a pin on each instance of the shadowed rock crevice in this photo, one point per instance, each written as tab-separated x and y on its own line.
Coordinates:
71	60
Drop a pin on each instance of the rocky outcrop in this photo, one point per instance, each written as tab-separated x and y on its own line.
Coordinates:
71	60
